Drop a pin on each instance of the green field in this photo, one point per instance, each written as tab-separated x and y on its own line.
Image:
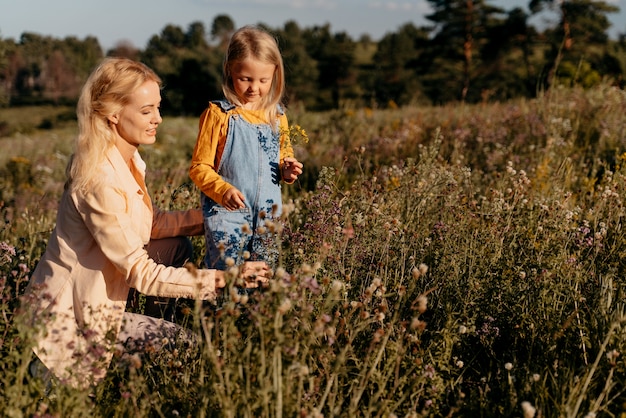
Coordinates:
449	261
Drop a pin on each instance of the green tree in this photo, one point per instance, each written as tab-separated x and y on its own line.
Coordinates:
189	66
509	63
396	65
579	41
222	29
301	72
460	32
5	81
334	55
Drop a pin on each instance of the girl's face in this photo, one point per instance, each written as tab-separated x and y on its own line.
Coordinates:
137	123
252	81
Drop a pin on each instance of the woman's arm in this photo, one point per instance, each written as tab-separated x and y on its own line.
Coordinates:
166	224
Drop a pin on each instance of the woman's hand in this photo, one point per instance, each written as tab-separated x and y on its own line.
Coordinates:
255	273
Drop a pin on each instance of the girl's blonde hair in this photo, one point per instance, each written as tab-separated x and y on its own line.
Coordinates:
105	93
254	42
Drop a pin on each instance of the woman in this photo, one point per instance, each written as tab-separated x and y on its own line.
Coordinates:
105	222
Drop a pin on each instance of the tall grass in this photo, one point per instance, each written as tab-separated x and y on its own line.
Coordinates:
453	261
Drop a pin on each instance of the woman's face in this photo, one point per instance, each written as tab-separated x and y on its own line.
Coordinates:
252	81
137	122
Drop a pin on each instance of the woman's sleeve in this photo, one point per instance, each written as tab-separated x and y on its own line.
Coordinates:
213	127
166	224
106	211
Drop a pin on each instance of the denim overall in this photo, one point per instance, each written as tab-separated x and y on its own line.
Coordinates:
250	163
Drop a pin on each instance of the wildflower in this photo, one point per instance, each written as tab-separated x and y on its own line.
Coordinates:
421	303
288	208
280	273
528	409
246	229
429	371
246	255
536	377
508	366
417	324
378	335
612	356
230	261
460	364
235	297
285	306
379	316
522	275
135	361
462	329
7	251
336	286
423	268
315	413
415	273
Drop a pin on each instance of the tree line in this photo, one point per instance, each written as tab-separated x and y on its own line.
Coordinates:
471	51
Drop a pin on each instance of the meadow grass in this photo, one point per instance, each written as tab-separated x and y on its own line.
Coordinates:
450	261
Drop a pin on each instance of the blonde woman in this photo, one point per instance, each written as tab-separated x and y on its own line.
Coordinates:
106	221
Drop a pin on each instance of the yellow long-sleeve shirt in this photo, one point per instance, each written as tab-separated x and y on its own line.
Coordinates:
213	129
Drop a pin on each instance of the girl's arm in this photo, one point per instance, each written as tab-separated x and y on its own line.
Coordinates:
209	145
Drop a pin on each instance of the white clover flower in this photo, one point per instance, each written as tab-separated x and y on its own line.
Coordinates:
508	366
460	364
462	329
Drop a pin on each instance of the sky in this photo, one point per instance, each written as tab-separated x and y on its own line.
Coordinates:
135	21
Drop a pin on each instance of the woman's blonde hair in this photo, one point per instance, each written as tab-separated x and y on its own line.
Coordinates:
254	42
105	93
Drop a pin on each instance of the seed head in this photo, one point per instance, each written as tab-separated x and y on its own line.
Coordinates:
421	304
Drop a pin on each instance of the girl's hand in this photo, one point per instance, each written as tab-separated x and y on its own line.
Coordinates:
292	168
233	199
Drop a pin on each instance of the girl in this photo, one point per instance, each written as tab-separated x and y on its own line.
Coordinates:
105	223
243	151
